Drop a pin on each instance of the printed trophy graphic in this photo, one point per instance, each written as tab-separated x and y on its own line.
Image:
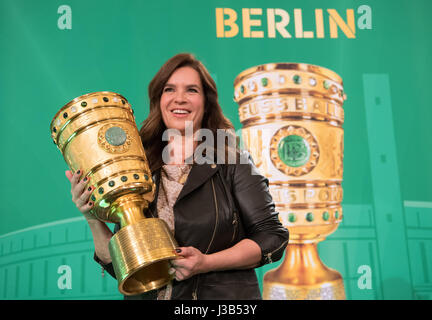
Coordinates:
292	118
97	134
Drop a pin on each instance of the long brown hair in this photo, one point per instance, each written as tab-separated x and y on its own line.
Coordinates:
153	127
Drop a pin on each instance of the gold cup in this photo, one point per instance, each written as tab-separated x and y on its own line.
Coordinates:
97	134
292	120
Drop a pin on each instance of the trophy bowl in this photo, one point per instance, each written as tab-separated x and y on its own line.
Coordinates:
96	133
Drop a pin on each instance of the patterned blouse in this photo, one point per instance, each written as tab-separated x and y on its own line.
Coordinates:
173	177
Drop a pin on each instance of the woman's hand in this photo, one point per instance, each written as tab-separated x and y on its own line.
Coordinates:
245	254
81	193
190	263
100	231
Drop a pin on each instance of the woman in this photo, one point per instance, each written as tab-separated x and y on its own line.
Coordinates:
222	215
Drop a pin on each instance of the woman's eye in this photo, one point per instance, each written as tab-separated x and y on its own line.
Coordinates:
193	90
168	89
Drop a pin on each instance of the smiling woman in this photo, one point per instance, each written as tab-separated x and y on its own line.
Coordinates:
181	92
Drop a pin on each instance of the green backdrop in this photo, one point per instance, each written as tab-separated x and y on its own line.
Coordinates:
386	234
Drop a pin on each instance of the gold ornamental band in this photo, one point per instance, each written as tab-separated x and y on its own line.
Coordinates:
306	194
91	100
325	143
282	107
67	135
323	72
305	219
116	159
275	78
331	290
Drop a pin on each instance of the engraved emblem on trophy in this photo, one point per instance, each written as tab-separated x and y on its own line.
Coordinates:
292	116
97	133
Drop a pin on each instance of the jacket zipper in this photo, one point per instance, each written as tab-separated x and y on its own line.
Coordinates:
268	255
217	216
235	223
194	292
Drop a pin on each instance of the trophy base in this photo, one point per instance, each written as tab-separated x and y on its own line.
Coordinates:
140	254
303	276
333	290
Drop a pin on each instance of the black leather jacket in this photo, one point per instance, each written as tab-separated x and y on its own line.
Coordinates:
218	206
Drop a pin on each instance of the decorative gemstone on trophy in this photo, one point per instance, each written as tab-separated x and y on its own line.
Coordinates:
282	79
312	82
325	215
294	151
292	217
115	136
297	79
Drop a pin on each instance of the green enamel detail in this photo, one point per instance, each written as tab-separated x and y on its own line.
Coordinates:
309	216
292	217
325	215
115	136
294	151
297	79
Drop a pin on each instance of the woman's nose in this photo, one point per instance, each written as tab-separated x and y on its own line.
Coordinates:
180	96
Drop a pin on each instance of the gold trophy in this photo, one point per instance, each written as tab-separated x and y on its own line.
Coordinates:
292	120
97	133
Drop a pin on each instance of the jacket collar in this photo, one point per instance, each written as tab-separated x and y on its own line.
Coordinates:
198	175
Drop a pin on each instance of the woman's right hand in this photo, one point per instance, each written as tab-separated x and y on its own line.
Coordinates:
80	196
81	193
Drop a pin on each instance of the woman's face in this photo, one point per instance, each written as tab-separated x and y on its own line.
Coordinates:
182	100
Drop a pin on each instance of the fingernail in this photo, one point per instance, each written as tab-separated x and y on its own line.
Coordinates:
85	179
79	171
90	203
89	189
178	250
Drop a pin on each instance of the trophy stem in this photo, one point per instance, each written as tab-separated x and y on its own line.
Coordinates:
303	276
128	209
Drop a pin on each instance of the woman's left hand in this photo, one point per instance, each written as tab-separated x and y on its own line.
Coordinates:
191	262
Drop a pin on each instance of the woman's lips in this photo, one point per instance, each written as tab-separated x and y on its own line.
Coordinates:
180	115
184	113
